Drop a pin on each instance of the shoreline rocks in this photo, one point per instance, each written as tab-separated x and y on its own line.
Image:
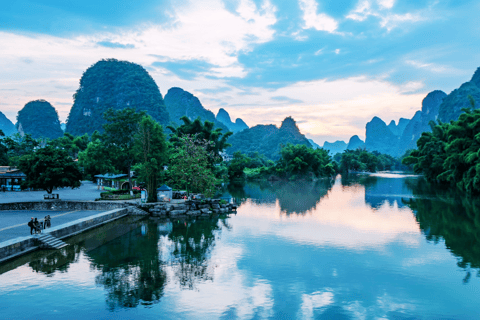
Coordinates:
189	208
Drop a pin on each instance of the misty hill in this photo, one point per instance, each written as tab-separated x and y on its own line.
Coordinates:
420	121
224	118
314	145
355	143
6	125
335	147
40	119
452	105
395	140
398	129
113	84
181	103
267	139
379	137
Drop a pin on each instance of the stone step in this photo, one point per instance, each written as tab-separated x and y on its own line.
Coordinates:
51	242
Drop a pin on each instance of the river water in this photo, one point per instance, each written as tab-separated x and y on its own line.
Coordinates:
384	246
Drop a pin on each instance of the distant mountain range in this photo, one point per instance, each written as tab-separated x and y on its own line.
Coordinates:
236	126
6	125
120	84
395	139
267	139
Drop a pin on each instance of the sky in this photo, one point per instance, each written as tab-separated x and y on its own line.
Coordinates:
331	65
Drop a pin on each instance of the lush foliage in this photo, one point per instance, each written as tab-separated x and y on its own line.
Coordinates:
296	162
96	159
40	119
18	146
189	165
3	151
203	132
361	160
48	168
150	150
300	161
119	137
73	145
113	84
450	153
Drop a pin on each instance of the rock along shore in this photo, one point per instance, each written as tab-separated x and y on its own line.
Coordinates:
188	208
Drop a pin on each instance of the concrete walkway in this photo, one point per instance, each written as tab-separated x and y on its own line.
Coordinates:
13	224
88	191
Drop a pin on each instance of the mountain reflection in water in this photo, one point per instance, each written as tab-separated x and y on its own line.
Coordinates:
297	197
360	247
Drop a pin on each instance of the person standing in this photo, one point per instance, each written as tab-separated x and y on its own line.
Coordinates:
36	225
30	224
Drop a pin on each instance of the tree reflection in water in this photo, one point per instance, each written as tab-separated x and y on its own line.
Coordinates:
58	260
192	243
295	197
131	270
449	215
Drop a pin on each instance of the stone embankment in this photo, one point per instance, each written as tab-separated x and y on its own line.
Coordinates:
61	205
189	208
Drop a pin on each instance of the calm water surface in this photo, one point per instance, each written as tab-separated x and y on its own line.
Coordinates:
384	246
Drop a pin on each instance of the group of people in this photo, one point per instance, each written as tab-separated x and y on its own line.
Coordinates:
37	226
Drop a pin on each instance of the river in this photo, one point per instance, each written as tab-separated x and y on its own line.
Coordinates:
382	246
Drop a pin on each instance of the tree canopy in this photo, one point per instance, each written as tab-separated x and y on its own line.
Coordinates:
450	153
202	131
48	168
150	150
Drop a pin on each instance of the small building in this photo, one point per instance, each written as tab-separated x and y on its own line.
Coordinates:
225	156
164	193
112	180
11	178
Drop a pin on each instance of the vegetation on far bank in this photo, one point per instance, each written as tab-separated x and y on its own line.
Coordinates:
449	155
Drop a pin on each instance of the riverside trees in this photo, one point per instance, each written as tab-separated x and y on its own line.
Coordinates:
48	168
450	153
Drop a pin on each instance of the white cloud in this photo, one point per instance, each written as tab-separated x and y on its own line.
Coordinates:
433	67
320	21
311	302
339	108
203	31
382	10
387	4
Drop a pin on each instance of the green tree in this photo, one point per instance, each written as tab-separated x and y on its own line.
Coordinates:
3	151
189	165
96	159
202	131
19	146
237	165
300	160
151	153
120	129
49	168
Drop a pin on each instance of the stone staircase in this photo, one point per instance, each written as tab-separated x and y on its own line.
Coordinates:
51	242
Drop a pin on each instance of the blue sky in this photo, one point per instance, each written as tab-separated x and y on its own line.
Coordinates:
332	65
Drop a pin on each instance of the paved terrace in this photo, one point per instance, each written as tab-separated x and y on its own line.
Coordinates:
88	191
13	224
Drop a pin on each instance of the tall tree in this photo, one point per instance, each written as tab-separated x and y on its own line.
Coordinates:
3	151
19	146
202	131
120	129
151	153
96	159
49	168
189	165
